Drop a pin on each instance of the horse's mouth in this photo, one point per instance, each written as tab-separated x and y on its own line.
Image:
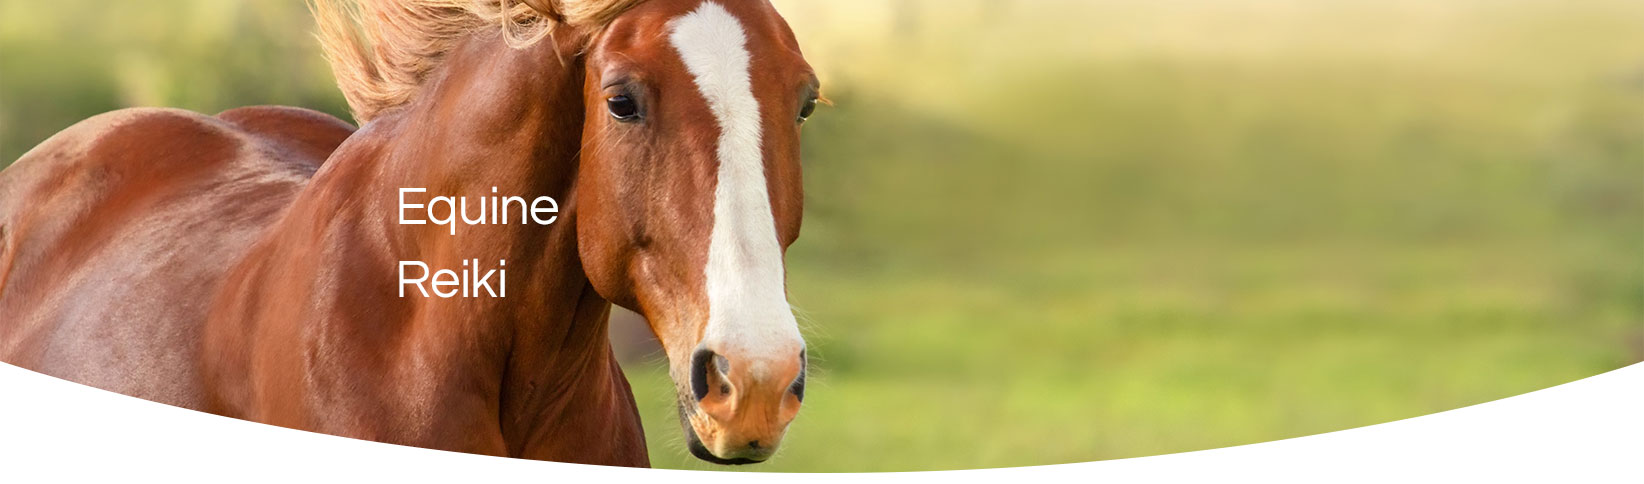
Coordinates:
701	452
698	449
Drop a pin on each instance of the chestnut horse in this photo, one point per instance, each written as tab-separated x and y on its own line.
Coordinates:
245	264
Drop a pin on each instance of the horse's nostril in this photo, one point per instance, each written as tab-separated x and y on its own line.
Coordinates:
798	387
753	444
699	373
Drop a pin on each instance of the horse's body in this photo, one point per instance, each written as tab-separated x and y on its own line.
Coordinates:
245	264
114	233
188	237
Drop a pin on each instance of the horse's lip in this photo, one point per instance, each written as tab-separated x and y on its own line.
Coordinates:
701	452
693	442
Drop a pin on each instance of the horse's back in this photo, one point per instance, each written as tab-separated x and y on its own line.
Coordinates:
115	233
310	135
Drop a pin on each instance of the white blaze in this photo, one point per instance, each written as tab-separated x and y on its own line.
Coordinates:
748	310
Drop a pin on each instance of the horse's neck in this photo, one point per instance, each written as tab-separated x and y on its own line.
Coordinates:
491	116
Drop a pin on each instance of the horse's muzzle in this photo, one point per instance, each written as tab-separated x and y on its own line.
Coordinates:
740	405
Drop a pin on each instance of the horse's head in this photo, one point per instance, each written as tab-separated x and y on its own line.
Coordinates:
689	194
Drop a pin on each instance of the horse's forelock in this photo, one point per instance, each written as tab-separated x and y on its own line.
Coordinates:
381	50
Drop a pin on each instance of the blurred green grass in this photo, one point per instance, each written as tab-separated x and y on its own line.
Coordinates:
1058	231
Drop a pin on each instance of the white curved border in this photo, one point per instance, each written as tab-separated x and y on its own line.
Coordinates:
1590	430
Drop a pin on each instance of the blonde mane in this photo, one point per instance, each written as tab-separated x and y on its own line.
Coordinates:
381	50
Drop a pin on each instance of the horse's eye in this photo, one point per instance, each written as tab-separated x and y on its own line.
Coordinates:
623	108
807	110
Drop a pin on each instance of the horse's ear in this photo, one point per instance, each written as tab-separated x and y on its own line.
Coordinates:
548	8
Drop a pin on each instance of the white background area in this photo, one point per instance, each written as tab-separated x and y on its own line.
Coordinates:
1590	430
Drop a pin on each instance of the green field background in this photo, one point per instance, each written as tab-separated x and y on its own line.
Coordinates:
1053	231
